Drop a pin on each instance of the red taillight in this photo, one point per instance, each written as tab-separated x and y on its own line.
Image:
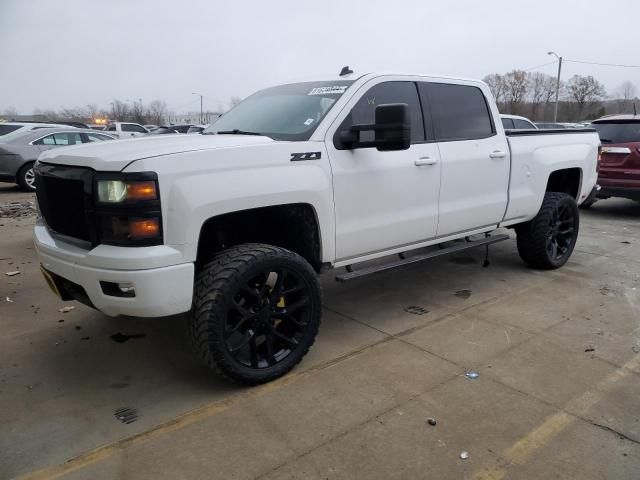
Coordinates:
599	158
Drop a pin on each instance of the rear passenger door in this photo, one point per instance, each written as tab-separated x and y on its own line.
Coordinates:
475	159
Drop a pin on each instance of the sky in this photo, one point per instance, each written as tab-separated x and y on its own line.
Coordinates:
69	53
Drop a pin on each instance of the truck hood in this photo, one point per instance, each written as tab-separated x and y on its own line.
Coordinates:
115	155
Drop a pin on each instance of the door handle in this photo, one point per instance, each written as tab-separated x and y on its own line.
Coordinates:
498	154
422	161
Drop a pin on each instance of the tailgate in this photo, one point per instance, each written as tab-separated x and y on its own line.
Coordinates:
620	161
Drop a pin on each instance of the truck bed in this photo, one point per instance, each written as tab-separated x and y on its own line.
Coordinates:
537	153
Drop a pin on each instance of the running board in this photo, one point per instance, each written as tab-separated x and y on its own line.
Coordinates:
350	275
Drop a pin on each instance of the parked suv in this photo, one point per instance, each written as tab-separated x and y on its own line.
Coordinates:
619	173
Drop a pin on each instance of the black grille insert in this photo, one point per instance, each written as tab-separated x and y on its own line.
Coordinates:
65	199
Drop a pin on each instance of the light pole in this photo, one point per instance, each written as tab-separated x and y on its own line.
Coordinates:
200	95
555	112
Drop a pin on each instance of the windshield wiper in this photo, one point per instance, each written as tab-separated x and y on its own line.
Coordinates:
605	140
235	131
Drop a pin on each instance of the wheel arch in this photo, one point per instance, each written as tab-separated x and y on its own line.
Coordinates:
566	180
294	226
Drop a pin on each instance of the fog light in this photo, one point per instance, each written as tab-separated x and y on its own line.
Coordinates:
113	289
126	288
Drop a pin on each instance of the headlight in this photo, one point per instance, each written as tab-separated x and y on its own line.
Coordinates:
118	191
127	207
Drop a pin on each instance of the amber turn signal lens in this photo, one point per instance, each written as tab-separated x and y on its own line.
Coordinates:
141	191
140	228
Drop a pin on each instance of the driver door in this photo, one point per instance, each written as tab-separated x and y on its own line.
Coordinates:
384	199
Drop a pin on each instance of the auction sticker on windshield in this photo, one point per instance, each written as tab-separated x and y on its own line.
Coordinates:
334	90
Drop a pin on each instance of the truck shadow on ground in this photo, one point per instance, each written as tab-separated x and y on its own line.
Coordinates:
90	350
614	208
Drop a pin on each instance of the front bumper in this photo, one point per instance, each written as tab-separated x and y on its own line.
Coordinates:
160	288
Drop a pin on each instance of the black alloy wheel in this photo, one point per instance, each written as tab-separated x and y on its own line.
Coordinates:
255	313
547	241
267	318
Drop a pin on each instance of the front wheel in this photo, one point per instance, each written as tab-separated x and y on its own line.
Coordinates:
547	241
256	312
27	178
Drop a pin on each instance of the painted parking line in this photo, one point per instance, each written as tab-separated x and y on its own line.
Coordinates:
521	451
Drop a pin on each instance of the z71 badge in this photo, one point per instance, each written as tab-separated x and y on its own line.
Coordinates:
297	157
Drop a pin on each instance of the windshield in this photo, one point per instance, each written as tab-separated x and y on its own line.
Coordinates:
618	132
286	112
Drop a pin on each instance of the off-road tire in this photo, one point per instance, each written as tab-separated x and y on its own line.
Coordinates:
23	180
218	281
533	237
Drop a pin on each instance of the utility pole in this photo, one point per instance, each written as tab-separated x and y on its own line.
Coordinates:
200	95
555	112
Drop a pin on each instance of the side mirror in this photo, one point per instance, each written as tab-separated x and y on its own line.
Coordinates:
392	129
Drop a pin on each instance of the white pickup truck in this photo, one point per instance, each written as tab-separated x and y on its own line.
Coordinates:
126	129
233	226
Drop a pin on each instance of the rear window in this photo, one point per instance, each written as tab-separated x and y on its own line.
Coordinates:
618	132
4	129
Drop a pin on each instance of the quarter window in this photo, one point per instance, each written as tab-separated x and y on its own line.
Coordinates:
507	123
523	124
459	112
388	92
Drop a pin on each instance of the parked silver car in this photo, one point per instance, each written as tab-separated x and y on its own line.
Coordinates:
19	152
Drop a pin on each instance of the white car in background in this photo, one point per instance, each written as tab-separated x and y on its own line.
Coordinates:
515	122
9	130
127	129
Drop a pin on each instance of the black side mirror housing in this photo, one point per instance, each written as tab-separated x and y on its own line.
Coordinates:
392	129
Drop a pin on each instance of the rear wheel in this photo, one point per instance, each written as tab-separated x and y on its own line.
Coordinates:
26	178
256	312
547	241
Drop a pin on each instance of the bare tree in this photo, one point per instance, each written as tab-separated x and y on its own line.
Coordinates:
625	94
539	91
137	112
495	81
119	110
585	91
91	112
75	113
157	111
10	112
233	101
516	86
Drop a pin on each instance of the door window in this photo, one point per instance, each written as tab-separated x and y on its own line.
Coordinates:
60	139
459	112
388	92
131	127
